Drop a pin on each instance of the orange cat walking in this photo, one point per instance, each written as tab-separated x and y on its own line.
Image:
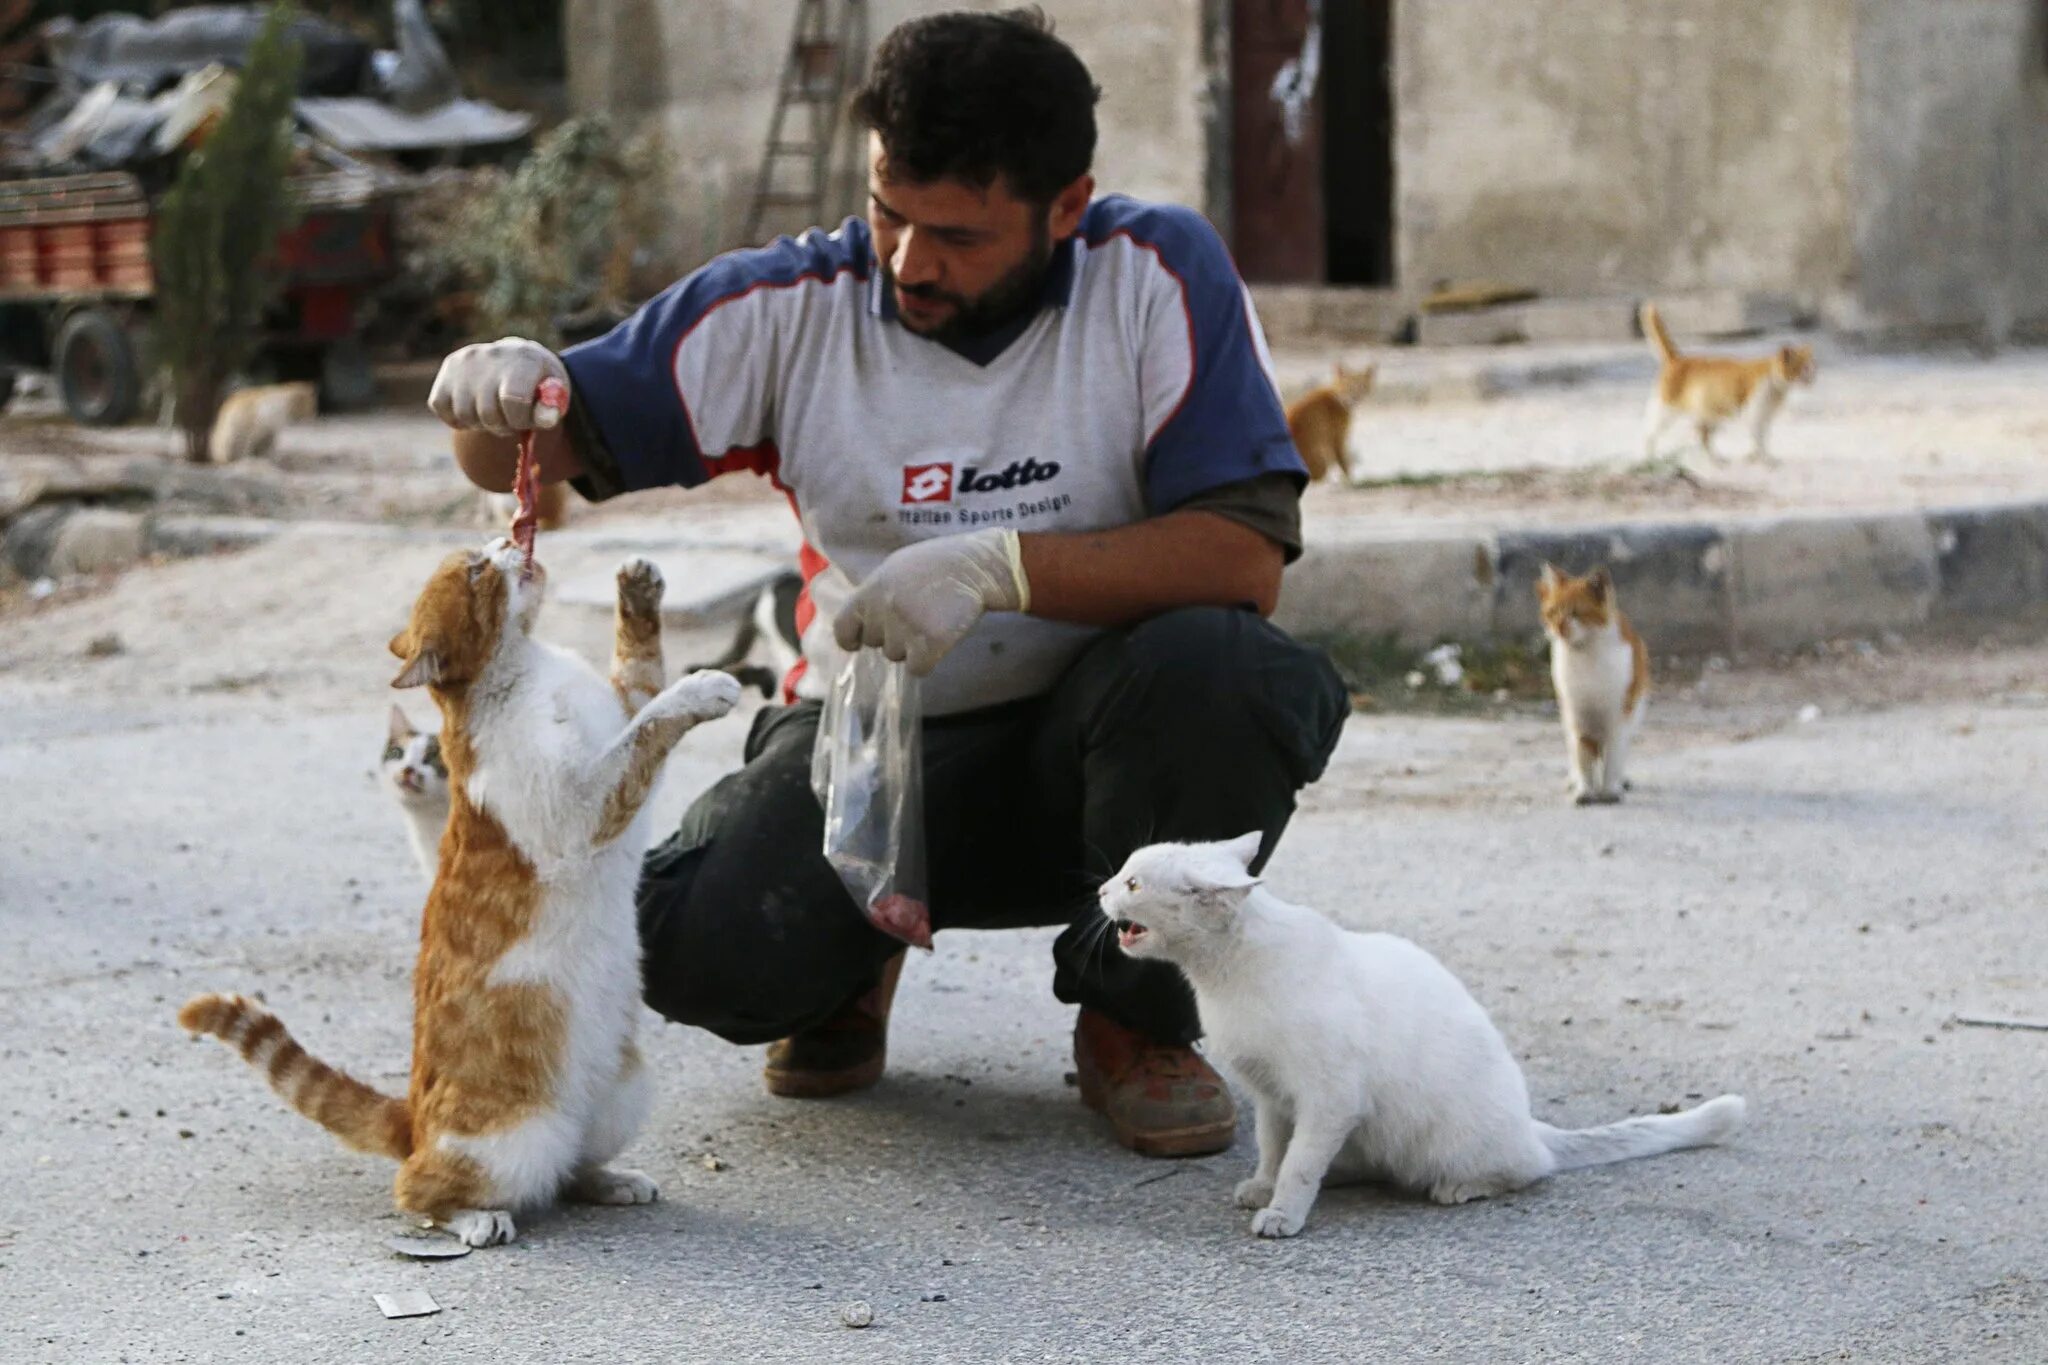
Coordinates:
1320	421
526	1079
1601	669
1712	389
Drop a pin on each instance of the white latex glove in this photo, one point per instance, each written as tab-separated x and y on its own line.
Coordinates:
491	386
920	600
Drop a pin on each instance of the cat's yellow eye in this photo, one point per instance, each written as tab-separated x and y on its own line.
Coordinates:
1131	885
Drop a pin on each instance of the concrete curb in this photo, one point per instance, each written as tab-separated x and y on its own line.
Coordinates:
1693	588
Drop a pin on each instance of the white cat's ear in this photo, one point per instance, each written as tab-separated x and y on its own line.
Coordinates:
1548	580
401	728
1245	848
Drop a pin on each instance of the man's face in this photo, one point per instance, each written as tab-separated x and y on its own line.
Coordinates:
960	260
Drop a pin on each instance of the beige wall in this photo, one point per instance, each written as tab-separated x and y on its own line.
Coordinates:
1887	159
705	74
1607	146
1950	168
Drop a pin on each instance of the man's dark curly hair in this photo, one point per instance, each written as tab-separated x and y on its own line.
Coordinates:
973	97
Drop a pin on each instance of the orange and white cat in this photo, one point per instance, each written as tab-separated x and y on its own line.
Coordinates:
1601	670
1320	420
1712	389
526	1080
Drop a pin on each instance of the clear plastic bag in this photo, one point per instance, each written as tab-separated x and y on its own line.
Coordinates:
868	772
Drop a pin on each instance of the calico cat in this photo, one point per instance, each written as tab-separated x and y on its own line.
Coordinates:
1712	389
250	419
1320	421
417	778
1601	669
526	1079
1366	1057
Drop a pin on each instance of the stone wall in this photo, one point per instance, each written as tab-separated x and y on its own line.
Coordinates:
1950	168
704	75
1588	147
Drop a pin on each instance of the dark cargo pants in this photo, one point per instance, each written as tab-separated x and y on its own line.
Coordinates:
1198	724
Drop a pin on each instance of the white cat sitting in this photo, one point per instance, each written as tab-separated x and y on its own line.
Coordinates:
1366	1058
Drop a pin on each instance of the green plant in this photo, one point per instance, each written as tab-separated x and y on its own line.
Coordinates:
552	239
217	232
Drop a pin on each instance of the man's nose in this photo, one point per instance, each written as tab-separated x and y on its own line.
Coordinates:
915	262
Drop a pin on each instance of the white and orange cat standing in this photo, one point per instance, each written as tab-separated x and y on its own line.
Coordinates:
1601	669
1713	389
526	1079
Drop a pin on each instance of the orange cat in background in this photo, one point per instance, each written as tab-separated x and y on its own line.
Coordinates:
1601	669
526	1080
1320	420
1712	389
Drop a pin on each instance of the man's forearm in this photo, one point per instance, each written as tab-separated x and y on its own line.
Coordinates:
1183	559
490	461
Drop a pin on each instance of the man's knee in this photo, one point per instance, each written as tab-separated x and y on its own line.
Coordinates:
1199	667
745	929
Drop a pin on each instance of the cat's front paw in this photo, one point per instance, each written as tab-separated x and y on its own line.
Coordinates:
705	695
618	1188
481	1227
640	589
1275	1222
1254	1193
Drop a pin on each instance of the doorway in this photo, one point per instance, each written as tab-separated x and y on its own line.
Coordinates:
1312	141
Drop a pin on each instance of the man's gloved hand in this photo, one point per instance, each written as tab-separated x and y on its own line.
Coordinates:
491	386
920	600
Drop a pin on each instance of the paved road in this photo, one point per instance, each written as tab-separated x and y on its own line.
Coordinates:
1791	911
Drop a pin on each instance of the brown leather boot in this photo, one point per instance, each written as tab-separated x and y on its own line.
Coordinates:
841	1055
1161	1100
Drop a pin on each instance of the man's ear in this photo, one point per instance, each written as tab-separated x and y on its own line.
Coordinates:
1063	218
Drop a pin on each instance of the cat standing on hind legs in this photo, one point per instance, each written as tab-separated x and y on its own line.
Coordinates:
417	776
1366	1057
1601	669
526	1080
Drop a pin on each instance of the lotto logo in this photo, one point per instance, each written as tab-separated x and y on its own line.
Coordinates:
927	483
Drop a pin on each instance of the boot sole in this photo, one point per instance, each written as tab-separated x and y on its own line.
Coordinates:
791	1084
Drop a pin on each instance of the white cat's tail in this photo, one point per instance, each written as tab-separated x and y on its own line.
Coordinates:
1649	1135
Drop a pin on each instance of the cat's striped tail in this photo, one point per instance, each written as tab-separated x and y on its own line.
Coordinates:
1660	340
1649	1135
365	1119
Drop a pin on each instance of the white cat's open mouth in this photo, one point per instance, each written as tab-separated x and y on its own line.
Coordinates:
1129	932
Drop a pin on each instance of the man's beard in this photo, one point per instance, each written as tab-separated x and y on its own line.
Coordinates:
1013	296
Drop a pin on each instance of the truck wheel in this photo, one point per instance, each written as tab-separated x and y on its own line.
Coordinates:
98	376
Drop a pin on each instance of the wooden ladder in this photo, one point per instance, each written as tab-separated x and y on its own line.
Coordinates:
827	57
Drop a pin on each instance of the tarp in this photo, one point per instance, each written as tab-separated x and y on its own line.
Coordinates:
360	125
144	55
